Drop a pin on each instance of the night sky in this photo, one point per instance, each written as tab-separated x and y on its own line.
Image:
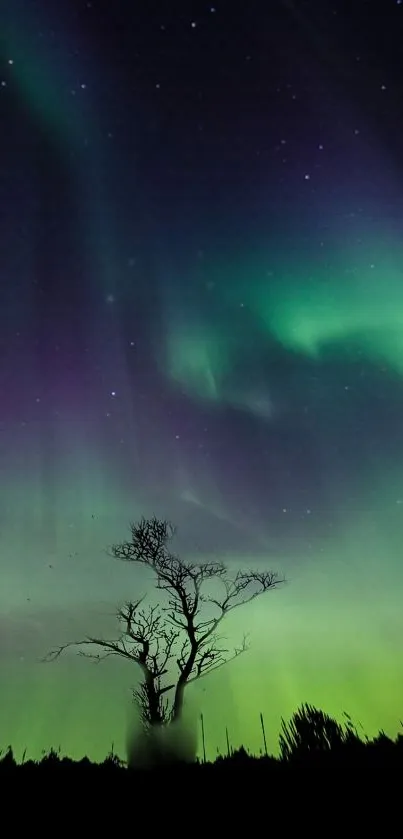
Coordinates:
201	279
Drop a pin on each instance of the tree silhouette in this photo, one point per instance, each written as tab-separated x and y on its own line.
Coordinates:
175	642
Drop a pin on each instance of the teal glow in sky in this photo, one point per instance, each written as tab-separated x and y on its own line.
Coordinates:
201	314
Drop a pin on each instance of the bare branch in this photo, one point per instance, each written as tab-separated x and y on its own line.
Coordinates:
117	647
219	660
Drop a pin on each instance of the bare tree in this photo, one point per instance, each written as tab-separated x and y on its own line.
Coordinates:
177	641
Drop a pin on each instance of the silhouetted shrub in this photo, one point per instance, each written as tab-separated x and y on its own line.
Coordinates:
312	734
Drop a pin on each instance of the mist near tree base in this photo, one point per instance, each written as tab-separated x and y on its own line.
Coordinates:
148	747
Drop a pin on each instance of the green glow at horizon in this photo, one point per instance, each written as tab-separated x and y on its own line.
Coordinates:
314	640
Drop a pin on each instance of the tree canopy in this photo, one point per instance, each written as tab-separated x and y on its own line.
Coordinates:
178	640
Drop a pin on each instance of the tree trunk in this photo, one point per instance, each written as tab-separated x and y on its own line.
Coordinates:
154	710
177	709
149	700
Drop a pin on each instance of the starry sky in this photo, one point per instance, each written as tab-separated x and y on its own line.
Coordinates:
201	279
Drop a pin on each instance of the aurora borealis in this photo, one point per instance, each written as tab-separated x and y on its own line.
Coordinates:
201	273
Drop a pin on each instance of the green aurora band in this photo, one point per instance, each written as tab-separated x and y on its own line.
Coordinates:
344	303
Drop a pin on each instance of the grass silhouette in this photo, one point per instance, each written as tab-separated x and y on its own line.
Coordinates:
311	739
